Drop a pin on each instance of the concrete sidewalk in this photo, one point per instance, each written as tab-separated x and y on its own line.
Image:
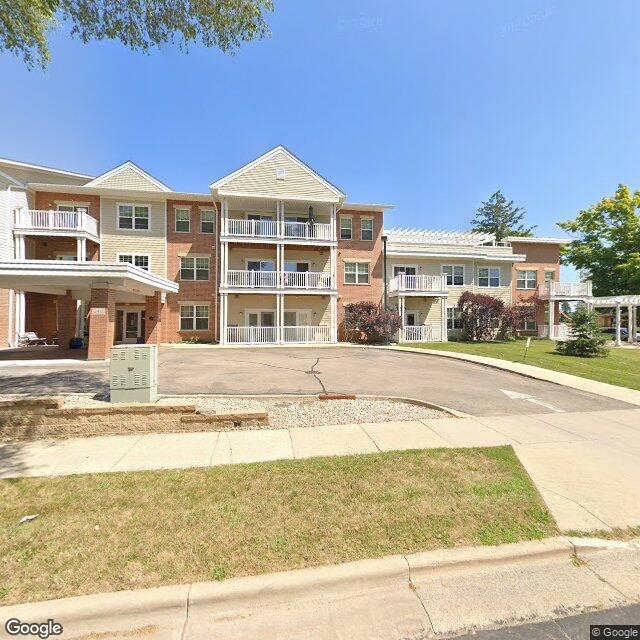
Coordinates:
441	592
586	465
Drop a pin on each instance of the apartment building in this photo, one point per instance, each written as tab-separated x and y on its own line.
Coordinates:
270	254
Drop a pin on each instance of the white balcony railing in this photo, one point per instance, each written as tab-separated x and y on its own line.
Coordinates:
274	279
306	334
404	282
577	290
49	220
269	335
422	333
558	331
307	230
274	229
252	279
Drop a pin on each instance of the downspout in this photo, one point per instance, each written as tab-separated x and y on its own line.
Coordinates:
384	269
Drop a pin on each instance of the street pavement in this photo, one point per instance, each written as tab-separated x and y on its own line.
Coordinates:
464	386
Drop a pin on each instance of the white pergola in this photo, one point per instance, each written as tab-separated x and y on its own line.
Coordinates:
631	302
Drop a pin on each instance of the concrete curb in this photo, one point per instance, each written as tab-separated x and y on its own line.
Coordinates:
301	584
630	396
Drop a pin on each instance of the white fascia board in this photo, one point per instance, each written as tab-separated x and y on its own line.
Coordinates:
39	167
530	240
135	194
265	156
417	253
355	206
106	270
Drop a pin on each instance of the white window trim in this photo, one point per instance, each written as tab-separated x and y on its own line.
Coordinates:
194	304
535	286
489	286
345	217
373	237
177	208
417	314
447	264
133	219
356	283
134	254
208	210
194	256
452	319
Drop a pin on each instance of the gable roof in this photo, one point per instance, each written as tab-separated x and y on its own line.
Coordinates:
41	167
128	176
258	177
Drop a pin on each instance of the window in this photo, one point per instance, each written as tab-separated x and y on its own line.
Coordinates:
528	325
489	277
194	268
526	279
454	318
75	208
346	228
366	229
356	273
549	275
183	220
132	216
403	269
194	317
454	273
138	260
207	221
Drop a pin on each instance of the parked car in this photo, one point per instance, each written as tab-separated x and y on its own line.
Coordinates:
624	332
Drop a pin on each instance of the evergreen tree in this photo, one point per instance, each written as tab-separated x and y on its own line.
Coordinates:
501	218
586	340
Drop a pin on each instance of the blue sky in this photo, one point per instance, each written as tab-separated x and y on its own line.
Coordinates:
430	106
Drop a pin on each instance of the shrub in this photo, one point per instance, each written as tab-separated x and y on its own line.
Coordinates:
481	315
514	316
586	340
368	322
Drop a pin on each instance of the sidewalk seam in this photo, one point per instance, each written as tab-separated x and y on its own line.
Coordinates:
122	457
415	593
375	444
186	613
576	503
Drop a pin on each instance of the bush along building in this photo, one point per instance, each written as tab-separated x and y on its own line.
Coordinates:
270	254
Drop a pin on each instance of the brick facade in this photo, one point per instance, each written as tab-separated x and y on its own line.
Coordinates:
185	243
66	311
4	318
102	318
360	250
541	258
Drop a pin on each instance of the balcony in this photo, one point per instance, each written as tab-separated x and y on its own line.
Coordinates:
421	284
288	335
421	333
44	222
274	229
552	290
275	280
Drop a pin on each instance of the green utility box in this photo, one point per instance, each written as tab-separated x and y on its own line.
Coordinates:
133	373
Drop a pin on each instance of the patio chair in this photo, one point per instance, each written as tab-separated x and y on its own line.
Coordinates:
30	338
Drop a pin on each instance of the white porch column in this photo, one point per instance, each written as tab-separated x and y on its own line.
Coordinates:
224	215
223	318
552	310
79	319
333	262
20	248
224	263
332	219
81	249
630	324
280	219
443	307
333	337
279	317
21	309
279	265
618	341
634	322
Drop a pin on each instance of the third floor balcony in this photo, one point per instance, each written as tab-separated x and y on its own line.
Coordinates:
50	222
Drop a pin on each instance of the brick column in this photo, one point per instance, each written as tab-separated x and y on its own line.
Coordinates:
102	322
153	319
66	319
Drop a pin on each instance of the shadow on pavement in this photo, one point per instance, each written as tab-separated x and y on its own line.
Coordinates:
54	382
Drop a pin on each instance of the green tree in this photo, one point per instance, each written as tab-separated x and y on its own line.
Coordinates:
586	339
607	248
138	24
501	218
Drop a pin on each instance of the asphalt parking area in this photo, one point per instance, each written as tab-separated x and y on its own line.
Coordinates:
463	386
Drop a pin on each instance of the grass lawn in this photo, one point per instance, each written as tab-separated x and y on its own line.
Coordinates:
620	367
108	532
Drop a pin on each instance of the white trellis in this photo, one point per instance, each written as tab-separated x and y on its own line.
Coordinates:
632	302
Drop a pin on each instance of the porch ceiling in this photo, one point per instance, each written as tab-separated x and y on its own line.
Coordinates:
131	284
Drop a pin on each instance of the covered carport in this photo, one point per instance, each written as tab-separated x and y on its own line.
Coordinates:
100	285
630	302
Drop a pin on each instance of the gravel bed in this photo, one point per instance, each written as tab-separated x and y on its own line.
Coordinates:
297	412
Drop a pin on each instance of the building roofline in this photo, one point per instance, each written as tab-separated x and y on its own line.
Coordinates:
41	167
534	240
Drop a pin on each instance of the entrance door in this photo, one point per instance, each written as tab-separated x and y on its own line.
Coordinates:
411	319
132	326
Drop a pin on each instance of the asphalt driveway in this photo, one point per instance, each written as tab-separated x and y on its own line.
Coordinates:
463	386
